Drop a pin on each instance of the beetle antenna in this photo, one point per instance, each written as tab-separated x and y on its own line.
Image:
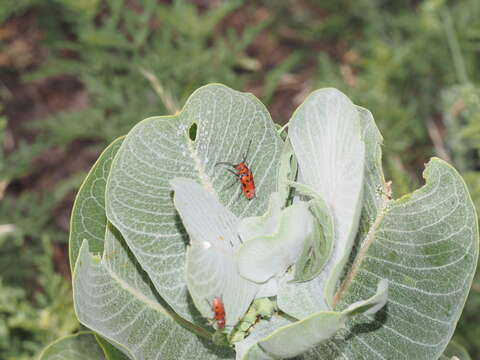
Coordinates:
225	163
248	150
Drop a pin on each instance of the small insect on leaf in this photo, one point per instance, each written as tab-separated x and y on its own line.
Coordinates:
218	312
244	175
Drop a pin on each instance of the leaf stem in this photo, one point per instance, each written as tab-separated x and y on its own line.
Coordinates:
453	44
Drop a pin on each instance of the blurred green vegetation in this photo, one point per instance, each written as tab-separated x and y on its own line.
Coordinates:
75	74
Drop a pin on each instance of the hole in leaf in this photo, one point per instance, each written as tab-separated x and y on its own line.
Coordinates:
192	132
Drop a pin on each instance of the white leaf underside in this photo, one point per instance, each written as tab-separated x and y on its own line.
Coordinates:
121	303
264	225
325	133
269	255
302	299
211	269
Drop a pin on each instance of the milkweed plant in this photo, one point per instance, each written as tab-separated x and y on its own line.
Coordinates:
172	260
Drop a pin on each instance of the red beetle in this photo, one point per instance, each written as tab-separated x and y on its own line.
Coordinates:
219	312
244	174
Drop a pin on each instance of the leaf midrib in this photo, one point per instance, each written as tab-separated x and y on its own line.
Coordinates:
200	168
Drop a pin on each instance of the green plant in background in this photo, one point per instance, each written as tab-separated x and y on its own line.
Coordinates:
122	80
462	117
26	325
29	320
461	112
145	64
144	277
460	109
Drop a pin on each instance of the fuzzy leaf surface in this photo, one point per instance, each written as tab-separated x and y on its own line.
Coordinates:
426	246
115	298
294	339
157	150
326	135
261	258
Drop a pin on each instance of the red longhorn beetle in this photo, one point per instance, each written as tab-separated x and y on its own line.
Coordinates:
244	174
219	312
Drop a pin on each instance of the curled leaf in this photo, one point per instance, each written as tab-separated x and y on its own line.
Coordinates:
217	124
318	246
296	338
325	132
264	257
211	269
264	225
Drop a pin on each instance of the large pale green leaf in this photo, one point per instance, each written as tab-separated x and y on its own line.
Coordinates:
131	303
115	298
326	135
139	201
302	299
81	346
211	268
426	246
88	218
